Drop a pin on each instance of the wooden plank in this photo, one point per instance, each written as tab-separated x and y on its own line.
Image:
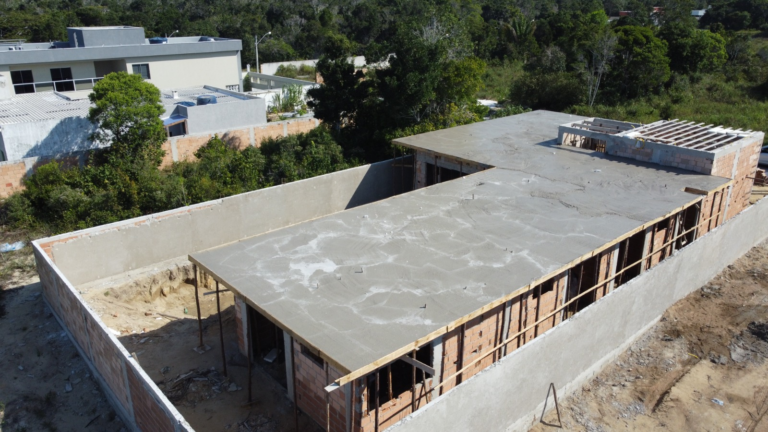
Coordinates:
662	134
722	143
413	362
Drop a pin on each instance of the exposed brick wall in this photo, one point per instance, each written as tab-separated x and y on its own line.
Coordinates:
746	167
137	398
396	409
660	233
311	380
711	215
147	412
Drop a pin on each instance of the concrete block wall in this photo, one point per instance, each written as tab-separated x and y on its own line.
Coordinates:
12	173
184	147
137	400
134	243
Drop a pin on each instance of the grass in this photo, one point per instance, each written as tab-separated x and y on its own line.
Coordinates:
713	100
498	79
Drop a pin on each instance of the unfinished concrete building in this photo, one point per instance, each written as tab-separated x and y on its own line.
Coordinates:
492	261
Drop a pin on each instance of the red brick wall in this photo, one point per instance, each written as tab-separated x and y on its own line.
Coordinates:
146	409
137	398
311	380
746	167
661	233
394	410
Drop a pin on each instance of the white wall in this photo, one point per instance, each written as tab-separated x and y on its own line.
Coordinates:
271	68
192	70
48	137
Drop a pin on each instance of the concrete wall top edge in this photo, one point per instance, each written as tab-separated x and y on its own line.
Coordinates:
149	219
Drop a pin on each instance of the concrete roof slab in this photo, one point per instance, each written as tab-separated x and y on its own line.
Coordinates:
354	285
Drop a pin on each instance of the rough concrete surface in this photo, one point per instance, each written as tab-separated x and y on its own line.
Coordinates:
361	284
578	348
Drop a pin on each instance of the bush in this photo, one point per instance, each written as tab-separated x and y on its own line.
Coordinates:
553	91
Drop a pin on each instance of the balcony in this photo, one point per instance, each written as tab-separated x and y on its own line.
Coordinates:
58	86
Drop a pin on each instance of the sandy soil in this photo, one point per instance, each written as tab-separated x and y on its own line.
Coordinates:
702	367
44	383
162	330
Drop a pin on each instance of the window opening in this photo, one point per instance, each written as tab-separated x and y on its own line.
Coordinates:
62	79
401	378
142	69
23	82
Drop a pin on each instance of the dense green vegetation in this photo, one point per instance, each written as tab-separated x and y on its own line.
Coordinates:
124	181
563	55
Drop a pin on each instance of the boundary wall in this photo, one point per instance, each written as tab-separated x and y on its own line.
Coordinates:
581	346
119	247
12	173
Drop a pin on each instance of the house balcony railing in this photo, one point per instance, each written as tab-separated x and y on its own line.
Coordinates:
59	86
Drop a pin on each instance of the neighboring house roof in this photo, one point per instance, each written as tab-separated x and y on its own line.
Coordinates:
34	107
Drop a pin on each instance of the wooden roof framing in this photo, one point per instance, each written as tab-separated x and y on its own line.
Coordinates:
689	135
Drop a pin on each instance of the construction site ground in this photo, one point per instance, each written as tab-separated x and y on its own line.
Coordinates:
160	328
702	367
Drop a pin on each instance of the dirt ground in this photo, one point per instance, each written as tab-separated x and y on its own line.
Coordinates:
160	327
44	383
701	368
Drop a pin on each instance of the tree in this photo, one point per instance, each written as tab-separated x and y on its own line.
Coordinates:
337	100
598	62
127	117
692	50
641	65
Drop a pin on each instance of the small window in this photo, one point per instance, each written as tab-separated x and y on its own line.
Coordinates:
62	79
141	69
23	81
312	356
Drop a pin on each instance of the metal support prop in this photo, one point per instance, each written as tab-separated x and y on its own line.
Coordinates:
413	384
221	331
327	402
249	349
197	303
376	419
295	396
461	352
557	406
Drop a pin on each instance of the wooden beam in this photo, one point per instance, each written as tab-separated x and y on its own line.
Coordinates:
413	362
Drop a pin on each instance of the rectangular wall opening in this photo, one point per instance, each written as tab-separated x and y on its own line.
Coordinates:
582	277
630	251
397	378
268	346
688	221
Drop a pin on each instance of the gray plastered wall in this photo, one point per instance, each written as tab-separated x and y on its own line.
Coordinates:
570	354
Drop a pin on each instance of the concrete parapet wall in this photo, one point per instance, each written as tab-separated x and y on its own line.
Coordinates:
578	348
127	245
